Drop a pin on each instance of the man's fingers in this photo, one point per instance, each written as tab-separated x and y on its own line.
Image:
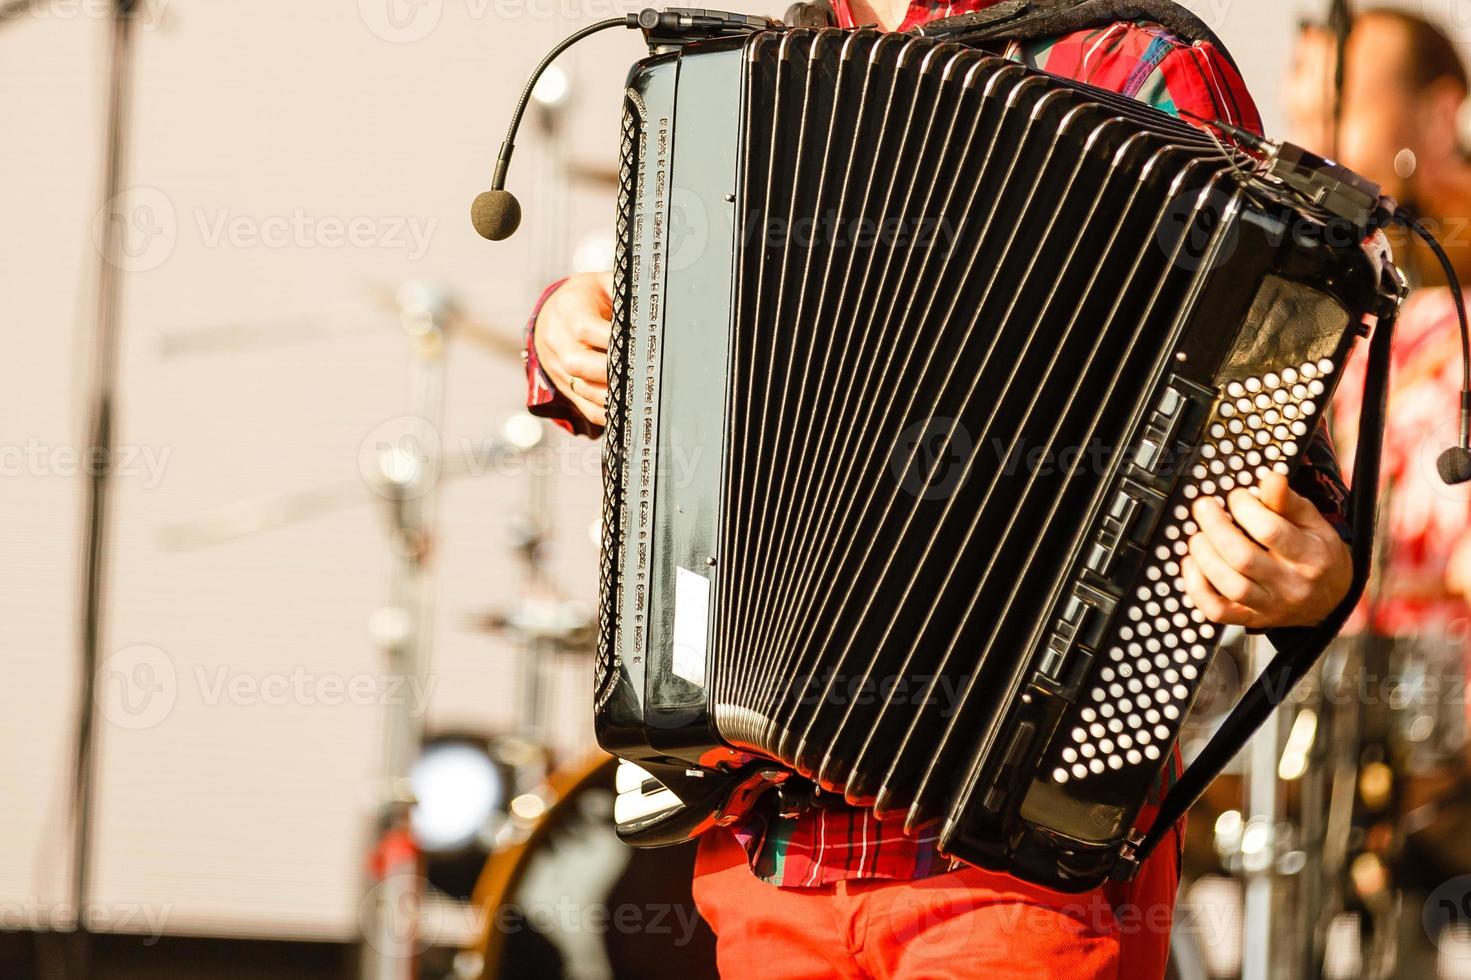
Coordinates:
591	410
1269	528
595	393
1277	495
600	292
594	332
1215	607
1230	543
1224	579
589	365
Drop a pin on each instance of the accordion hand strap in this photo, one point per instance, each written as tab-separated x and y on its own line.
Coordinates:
1029	20
1293	662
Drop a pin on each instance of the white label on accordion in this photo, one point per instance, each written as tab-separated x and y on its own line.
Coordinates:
691	625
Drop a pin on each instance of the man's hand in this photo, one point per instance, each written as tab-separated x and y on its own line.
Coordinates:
1278	564
571	336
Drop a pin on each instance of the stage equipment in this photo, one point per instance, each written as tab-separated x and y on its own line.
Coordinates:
633	915
102	408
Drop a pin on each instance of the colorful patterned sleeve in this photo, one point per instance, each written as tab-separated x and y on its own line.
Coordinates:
542	397
1146	62
1320	480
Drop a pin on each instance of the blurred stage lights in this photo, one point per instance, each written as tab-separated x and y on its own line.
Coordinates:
553	88
523	431
458	791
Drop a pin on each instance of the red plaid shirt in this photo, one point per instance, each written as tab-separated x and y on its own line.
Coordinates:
1139	60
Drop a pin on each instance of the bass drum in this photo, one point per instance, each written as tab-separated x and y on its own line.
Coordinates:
572	901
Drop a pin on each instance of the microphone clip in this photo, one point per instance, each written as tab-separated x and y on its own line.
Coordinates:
674	27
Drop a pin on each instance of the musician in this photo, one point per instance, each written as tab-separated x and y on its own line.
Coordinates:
834	892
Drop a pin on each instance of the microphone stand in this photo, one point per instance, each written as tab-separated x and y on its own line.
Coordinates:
1340	22
102	408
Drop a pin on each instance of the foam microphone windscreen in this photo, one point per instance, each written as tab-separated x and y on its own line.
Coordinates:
496	214
1454	465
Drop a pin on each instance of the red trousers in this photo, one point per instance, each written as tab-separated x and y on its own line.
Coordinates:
967	923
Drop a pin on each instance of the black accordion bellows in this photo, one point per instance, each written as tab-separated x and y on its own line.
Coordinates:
919	358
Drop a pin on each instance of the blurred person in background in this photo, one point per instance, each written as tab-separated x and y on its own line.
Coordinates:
836	892
1404	87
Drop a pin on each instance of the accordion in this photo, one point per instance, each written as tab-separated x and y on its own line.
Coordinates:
919	358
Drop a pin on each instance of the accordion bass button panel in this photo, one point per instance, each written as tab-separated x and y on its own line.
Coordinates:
1124	532
1159	646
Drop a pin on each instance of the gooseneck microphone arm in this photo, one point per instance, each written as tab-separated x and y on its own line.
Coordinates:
509	146
496	213
1454	465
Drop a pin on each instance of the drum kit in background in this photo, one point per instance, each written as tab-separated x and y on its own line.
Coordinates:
1339	845
508	865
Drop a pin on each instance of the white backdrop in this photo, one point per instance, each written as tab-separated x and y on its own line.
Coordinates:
292	160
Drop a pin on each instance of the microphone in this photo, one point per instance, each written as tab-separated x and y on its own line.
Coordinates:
496	214
1454	465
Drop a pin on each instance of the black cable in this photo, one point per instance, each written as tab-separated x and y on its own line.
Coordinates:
1404	217
509	145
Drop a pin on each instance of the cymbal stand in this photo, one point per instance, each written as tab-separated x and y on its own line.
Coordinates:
409	467
533	708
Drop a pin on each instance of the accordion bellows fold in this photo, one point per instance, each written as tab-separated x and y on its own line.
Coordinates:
919	357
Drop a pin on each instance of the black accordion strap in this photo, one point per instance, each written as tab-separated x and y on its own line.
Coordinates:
1028	20
1293	662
